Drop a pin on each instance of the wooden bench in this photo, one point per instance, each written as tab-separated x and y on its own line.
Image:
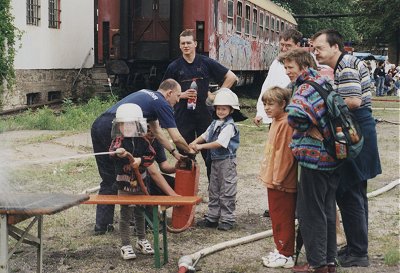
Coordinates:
149	200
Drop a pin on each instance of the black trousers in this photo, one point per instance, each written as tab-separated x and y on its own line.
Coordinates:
191	124
353	206
316	211
101	140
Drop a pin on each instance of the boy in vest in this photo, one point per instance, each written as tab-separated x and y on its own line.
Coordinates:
222	140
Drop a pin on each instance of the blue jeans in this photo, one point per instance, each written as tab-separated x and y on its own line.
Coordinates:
380	84
353	206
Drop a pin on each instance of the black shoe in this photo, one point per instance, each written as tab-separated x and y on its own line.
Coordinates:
225	226
101	230
266	213
206	224
349	261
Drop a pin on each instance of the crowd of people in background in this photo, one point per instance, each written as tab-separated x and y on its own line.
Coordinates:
385	77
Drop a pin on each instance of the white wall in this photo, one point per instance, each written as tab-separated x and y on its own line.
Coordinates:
48	48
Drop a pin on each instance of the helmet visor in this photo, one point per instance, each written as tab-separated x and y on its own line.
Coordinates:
135	128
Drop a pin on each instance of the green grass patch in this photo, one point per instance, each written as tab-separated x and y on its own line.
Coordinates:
72	117
392	257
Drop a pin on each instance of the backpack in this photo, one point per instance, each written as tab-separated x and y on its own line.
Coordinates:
339	115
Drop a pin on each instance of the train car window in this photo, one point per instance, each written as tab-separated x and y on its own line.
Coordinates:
164	9
261	31
277	26
255	18
230	16
272	24
143	9
239	14
247	21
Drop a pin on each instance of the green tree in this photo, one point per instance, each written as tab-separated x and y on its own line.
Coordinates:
308	26
381	25
9	34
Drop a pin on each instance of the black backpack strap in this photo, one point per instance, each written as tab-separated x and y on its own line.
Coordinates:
322	91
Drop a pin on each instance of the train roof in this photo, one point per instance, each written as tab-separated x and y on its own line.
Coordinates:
275	9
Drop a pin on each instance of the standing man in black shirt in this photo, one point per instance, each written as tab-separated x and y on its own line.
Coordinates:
191	67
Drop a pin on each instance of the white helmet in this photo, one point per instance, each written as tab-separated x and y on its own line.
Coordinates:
128	112
225	96
129	121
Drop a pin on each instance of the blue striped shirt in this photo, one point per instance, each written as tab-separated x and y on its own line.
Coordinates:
352	79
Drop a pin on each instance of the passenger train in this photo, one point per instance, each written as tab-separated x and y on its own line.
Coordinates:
143	35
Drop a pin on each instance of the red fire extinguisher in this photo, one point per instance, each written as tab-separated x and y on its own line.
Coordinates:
186	184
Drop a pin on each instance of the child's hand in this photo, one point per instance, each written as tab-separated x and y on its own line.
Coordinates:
121	152
193	146
198	147
137	162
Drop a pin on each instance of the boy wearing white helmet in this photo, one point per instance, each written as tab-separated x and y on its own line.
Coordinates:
222	140
128	131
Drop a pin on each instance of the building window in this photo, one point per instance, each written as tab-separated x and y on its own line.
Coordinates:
282	26
230	16
54	14
239	14
267	28
255	18
247	21
261	32
32	12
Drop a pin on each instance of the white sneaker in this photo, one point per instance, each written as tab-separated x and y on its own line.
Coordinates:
270	256
280	261
127	252
145	247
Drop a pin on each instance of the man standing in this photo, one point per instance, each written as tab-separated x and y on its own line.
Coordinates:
352	82
157	109
289	39
200	69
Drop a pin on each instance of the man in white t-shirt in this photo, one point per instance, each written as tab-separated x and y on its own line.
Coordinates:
288	40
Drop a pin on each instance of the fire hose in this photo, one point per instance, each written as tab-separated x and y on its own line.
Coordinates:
187	263
121	152
183	164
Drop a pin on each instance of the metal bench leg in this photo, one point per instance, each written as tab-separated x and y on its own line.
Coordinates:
3	244
156	222
40	246
164	230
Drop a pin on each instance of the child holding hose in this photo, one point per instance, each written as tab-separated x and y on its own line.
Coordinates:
133	154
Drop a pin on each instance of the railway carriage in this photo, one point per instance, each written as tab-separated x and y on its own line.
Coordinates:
144	35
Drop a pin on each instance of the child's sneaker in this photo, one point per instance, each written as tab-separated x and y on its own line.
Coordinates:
280	261
269	257
127	252
145	247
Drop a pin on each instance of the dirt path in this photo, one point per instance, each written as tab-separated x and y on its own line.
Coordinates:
71	247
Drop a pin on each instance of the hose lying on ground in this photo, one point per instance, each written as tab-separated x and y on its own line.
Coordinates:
187	263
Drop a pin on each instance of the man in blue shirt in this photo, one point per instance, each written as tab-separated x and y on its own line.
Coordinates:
157	109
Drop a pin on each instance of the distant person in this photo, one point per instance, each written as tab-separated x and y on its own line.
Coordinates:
316	207
129	128
279	174
193	119
379	76
222	140
352	82
157	109
289	39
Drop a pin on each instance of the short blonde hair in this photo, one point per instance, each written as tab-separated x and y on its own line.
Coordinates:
276	94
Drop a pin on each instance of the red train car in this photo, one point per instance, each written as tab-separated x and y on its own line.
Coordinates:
240	34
